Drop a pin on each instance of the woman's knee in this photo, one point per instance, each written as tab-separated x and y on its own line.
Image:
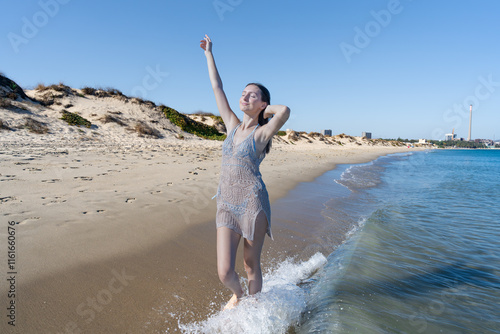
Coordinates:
226	273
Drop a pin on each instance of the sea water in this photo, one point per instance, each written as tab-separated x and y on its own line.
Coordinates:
420	253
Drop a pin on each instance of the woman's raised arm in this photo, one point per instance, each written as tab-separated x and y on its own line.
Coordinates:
280	115
228	116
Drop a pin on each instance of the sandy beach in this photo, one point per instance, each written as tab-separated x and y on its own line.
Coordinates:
115	232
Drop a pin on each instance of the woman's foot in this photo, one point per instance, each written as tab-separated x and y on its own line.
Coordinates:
232	302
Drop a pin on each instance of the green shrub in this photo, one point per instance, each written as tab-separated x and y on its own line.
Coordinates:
75	119
191	126
281	133
217	119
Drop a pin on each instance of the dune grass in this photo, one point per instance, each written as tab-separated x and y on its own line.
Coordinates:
112	119
75	119
32	125
191	126
145	130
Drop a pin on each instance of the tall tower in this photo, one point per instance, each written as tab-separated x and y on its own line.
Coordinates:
470	122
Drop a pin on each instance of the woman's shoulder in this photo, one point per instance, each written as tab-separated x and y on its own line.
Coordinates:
232	127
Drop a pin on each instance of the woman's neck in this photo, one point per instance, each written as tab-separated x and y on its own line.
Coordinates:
249	122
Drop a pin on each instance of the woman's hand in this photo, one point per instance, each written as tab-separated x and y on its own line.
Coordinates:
206	44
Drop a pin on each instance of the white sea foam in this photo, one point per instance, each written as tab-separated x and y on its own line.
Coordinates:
274	310
360	176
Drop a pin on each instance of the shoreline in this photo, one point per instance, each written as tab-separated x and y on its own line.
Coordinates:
114	270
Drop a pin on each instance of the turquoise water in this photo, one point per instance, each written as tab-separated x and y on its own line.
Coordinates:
419	237
426	257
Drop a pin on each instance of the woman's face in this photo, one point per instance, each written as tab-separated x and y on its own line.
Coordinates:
251	100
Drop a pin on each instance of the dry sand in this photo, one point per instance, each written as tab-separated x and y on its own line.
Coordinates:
115	233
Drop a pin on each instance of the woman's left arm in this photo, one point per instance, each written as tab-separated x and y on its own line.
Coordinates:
279	114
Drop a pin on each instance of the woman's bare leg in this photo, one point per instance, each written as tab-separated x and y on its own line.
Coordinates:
227	245
251	255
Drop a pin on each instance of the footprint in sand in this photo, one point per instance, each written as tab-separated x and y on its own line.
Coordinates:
173	200
130	200
56	200
83	178
88	212
7	199
32	169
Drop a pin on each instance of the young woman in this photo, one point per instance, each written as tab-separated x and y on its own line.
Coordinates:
243	208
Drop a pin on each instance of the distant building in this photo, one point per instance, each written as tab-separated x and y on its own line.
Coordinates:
326	132
422	141
368	135
487	142
450	136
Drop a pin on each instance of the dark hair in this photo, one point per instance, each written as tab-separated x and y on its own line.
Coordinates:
266	97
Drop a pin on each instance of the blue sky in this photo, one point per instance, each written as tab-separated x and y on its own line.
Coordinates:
407	68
